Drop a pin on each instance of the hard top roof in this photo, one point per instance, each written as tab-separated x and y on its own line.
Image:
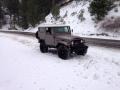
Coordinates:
52	25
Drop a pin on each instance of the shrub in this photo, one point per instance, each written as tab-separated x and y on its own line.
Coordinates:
100	8
65	14
81	15
55	11
111	24
74	13
116	10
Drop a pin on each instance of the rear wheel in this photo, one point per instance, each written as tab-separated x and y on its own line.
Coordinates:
36	35
43	47
63	52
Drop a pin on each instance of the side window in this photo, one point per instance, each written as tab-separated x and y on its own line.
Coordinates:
48	30
41	29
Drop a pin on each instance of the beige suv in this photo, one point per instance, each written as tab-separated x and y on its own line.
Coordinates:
59	36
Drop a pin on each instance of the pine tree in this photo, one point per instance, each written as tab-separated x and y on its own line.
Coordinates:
12	6
13	10
28	12
23	22
55	11
37	10
100	8
1	15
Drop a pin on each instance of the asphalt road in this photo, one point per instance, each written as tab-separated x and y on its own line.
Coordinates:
93	41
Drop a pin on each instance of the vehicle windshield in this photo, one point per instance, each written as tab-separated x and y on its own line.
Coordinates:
61	29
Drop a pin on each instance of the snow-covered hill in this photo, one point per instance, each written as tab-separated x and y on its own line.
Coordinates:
70	15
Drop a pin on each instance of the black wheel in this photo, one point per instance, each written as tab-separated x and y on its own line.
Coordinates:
63	52
36	35
43	47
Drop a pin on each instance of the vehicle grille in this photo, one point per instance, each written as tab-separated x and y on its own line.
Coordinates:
77	42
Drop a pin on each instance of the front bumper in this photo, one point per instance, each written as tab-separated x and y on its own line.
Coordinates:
79	49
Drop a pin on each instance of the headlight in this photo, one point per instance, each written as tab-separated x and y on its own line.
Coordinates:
82	41
72	43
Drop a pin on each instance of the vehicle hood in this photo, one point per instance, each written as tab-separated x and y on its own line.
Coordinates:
68	37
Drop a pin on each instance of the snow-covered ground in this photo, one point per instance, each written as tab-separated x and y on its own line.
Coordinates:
24	67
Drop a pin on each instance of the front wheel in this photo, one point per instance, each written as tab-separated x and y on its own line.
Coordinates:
63	52
43	47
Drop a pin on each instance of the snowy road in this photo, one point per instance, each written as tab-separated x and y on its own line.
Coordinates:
24	67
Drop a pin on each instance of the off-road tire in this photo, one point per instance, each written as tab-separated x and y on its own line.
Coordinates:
43	47
36	35
63	52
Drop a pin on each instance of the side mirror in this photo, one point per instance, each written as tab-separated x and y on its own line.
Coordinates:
38	28
71	30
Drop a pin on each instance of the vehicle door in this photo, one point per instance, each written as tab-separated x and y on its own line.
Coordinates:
49	39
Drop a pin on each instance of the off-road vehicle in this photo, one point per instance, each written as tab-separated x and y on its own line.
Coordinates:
60	37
